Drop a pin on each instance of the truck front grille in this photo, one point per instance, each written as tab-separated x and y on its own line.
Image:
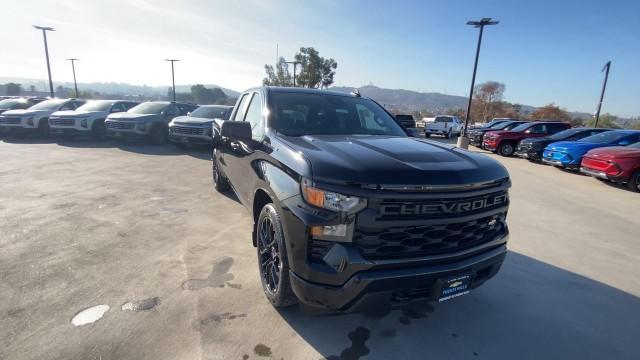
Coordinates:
119	125
62	122
188	130
415	241
9	120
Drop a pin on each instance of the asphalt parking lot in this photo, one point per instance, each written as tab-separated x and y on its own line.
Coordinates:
139	229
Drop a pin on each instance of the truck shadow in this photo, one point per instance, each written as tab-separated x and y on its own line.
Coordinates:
530	310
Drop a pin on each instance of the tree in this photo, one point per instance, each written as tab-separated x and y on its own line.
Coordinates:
487	100
13	89
203	95
606	121
32	88
279	76
550	112
316	72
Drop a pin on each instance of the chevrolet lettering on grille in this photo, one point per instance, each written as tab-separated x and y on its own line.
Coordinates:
445	207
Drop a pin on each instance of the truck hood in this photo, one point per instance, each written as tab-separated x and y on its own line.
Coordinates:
131	116
613	152
387	160
573	146
189	120
26	112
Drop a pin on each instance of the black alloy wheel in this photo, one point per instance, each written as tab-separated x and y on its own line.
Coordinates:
272	258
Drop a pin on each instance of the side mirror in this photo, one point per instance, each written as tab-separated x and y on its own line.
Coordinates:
412	132
238	130
189	113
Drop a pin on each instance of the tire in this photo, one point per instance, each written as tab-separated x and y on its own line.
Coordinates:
98	130
427	135
634	182
272	258
43	128
220	183
506	149
158	135
449	134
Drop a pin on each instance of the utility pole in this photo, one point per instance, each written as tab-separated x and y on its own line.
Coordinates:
46	53
173	79
73	68
606	68
463	140
295	63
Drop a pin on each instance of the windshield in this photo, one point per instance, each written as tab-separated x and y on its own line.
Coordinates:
298	114
565	134
52	104
502	125
212	112
97	105
521	127
8	104
149	108
605	137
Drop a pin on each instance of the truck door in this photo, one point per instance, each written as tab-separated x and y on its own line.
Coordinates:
230	150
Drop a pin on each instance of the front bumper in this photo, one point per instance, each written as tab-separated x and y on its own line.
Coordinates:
17	130
68	131
489	145
529	154
594	173
186	139
397	286
125	134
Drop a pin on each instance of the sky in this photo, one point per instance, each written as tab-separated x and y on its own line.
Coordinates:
545	51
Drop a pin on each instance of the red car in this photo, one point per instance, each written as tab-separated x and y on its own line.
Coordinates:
505	142
618	164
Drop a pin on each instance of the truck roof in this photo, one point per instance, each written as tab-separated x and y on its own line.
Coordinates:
280	89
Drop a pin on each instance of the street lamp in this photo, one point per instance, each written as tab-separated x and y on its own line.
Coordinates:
173	78
294	70
46	52
73	68
606	68
463	140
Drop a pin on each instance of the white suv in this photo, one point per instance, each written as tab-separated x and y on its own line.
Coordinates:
36	118
88	119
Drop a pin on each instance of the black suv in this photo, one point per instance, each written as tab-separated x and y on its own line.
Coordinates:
532	148
349	210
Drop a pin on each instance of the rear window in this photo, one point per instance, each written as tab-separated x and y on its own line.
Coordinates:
443	119
404	117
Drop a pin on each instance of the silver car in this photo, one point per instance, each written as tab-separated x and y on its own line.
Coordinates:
196	127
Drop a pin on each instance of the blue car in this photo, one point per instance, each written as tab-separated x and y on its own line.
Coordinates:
568	154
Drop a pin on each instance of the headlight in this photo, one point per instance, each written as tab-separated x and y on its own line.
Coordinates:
330	200
83	123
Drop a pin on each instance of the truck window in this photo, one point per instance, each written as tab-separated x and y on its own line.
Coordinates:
443	119
254	117
239	115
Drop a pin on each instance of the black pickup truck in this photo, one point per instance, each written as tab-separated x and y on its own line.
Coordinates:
349	210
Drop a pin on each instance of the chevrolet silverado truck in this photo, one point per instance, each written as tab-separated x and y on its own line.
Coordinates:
35	119
348	210
506	142
445	125
196	127
88	119
149	120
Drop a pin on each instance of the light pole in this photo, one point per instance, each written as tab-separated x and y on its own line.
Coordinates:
606	68
173	78
73	68
46	52
463	140
295	63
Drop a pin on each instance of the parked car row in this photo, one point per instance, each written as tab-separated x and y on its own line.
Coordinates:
155	121
607	154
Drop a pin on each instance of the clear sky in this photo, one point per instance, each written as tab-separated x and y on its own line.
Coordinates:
543	50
